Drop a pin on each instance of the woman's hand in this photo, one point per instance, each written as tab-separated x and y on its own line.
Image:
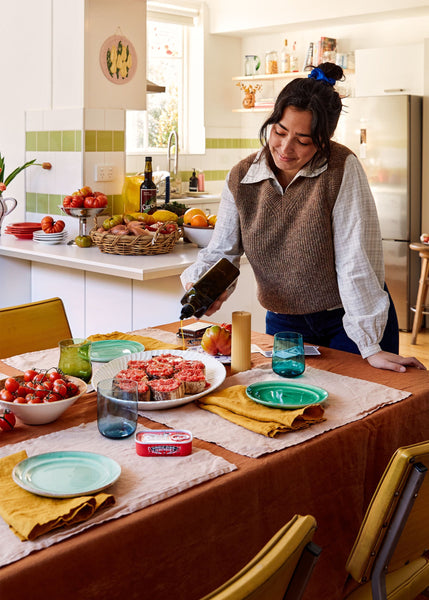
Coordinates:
394	362
216	304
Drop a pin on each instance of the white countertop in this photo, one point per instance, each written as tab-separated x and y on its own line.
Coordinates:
92	259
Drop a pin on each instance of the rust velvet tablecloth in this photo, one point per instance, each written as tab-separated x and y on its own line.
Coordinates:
185	546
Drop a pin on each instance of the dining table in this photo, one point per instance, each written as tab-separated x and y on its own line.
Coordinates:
183	546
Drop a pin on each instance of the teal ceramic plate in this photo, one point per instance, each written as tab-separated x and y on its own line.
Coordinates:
106	350
285	394
66	474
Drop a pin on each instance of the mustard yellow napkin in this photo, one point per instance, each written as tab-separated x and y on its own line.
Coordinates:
30	516
233	404
148	343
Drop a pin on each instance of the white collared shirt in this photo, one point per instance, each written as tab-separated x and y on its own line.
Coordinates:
357	245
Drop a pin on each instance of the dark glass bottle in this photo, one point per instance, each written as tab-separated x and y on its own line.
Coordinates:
193	182
208	288
148	187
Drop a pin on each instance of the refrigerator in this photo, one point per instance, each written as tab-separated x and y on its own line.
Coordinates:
385	133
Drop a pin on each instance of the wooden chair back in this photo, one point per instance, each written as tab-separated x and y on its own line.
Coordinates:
280	571
33	326
393	539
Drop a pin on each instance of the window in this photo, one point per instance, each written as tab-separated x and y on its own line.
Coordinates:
171	42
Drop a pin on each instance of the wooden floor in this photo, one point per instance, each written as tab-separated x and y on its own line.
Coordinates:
419	350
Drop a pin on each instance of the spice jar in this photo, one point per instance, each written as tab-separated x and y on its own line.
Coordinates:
271	62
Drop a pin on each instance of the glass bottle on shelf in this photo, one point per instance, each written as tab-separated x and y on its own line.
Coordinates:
271	63
148	187
193	182
285	59
294	59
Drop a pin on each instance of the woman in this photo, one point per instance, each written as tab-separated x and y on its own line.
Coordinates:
302	211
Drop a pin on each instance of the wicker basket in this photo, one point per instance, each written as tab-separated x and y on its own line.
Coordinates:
134	244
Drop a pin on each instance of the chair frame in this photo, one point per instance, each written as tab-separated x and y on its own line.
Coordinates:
303	571
397	524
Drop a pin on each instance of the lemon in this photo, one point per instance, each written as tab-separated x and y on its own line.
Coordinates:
212	220
164	215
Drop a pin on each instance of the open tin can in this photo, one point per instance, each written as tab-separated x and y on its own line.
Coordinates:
163	442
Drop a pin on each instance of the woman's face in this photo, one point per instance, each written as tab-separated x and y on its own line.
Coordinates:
290	143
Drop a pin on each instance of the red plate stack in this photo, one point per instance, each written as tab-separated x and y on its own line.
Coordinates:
23	231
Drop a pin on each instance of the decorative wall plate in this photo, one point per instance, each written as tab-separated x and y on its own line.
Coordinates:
118	59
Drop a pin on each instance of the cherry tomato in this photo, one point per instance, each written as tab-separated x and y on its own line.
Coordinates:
35	399
54	375
72	389
6	396
60	387
20	400
7	420
30	397
41	391
52	397
29	374
23	390
11	384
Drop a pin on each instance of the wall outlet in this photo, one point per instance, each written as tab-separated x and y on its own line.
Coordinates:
104	173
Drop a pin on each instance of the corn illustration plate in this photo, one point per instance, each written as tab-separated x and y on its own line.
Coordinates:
118	59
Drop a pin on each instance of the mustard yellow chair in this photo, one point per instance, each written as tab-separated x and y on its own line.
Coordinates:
280	571
390	555
32	326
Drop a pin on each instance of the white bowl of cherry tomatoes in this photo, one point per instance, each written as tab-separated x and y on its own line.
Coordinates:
40	396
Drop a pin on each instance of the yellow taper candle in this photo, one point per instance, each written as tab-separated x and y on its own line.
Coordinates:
240	341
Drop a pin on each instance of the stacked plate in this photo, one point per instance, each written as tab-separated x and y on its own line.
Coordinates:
23	231
49	238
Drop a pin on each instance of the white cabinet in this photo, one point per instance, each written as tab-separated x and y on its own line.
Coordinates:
390	70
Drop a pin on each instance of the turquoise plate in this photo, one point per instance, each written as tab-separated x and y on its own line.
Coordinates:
66	474
285	394
106	350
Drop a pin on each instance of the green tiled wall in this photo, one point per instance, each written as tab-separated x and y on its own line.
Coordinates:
231	143
104	141
57	141
71	141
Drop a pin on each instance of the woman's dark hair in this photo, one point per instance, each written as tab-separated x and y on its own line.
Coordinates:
317	94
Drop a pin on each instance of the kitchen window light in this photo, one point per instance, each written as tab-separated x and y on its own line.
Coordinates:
174	60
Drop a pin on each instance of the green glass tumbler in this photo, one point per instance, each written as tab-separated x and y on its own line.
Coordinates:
75	358
288	354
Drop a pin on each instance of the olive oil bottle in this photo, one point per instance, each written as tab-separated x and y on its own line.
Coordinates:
208	288
148	187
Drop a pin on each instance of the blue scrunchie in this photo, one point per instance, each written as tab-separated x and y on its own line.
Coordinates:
319	75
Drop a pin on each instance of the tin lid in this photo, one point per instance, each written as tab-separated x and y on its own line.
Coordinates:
163	436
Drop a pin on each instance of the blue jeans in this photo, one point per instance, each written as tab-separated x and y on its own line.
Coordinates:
325	328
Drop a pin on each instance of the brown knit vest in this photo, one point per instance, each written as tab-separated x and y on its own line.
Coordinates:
288	238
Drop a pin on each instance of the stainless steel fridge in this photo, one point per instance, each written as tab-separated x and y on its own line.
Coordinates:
385	132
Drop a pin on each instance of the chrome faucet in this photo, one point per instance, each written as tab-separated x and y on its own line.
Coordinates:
174	135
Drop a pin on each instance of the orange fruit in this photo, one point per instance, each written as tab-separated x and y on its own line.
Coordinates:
191	212
212	220
199	221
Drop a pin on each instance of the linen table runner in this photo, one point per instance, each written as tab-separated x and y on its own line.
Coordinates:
143	481
349	400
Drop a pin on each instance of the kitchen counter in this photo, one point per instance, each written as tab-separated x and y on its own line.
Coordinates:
93	260
127	292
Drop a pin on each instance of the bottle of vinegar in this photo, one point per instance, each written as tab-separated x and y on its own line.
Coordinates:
285	59
208	288
148	187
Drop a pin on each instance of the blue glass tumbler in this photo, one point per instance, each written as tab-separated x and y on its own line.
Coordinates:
288	354
117	407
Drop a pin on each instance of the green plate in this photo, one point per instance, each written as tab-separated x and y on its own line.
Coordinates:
106	350
285	394
66	474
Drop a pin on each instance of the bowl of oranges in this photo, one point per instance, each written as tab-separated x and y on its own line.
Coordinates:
198	227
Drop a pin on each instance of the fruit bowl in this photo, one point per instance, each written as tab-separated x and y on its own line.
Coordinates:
39	414
200	236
